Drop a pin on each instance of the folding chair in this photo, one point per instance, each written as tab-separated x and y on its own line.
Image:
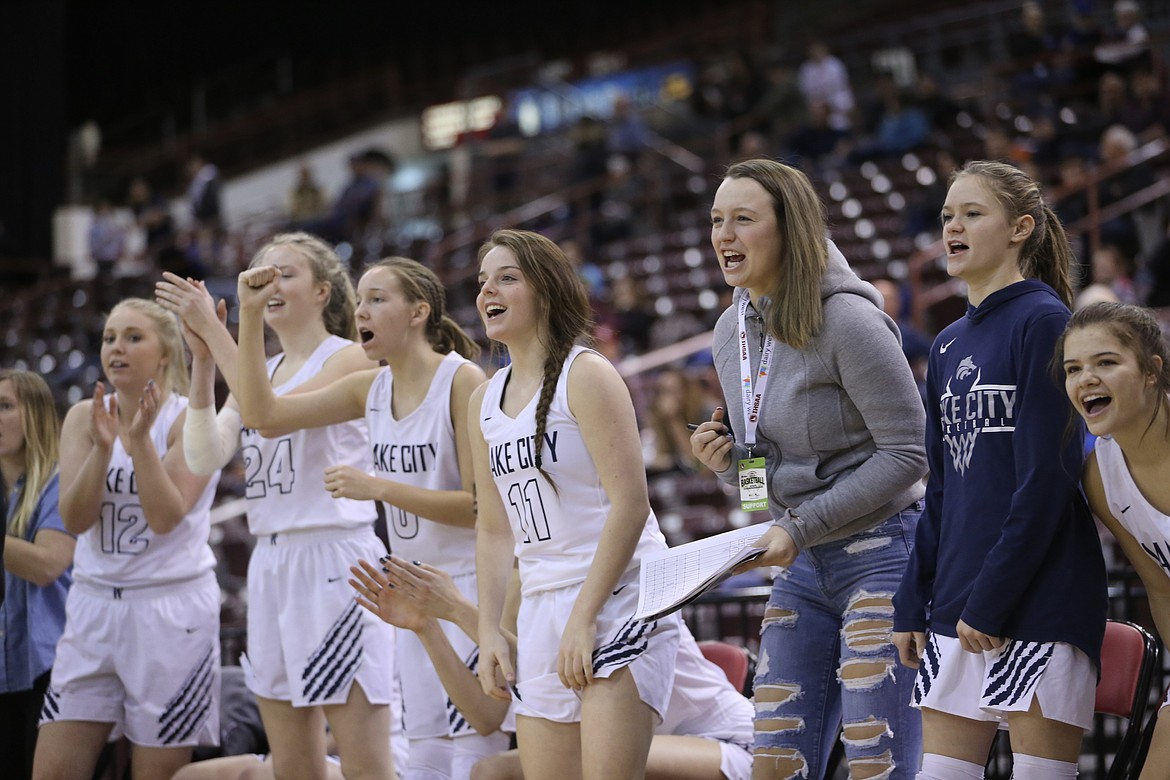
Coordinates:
1128	657
1147	737
735	661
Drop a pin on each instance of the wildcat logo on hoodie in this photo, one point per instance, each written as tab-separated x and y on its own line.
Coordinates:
980	408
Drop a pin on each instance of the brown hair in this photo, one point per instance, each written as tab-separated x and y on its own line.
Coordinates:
1138	330
559	327
327	268
42	431
794	312
1046	254
419	283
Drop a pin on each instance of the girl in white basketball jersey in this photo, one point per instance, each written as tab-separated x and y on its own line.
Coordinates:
416	411
312	654
1117	375
561	486
140	652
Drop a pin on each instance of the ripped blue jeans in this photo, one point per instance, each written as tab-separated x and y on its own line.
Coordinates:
827	661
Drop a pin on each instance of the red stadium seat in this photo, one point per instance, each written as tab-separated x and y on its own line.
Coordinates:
1128	656
735	661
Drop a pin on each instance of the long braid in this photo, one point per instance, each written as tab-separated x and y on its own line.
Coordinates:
563	312
554	364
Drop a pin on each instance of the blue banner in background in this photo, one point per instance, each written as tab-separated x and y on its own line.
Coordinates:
541	109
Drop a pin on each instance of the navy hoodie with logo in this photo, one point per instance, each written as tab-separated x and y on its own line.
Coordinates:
1006	542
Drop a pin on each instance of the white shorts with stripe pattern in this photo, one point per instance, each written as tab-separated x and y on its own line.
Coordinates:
308	640
648	648
987	686
144	659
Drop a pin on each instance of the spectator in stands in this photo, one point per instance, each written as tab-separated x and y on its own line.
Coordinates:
915	343
1006	572
1032	47
622	201
1113	271
590	273
628	134
207	224
751	144
590	162
1112	97
822	78
633	314
922	202
1147	109
107	244
1131	230
1117	377
780	104
503	153
1072	206
306	200
806	339
900	127
676	401
1126	42
940	108
359	204
816	145
152	214
37	554
1158	269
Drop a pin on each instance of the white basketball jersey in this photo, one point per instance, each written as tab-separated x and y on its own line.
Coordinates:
284	476
419	450
556	531
120	551
1149	527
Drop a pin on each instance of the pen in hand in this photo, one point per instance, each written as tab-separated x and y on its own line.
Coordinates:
695	427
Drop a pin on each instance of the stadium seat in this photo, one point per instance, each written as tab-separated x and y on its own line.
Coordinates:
735	661
1128	657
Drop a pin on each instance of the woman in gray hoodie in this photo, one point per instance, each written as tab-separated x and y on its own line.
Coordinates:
824	408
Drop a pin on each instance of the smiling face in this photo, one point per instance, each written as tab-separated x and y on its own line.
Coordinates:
506	301
297	297
1105	383
11	425
132	351
385	317
982	245
746	236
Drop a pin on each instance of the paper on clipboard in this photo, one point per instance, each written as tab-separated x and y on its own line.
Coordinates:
669	579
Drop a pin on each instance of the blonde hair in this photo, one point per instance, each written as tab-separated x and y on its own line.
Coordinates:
176	377
42	432
793	314
327	268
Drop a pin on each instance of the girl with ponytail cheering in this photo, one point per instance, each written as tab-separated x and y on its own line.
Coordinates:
561	487
1002	607
415	408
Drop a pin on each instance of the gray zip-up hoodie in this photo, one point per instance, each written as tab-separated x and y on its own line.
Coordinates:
841	424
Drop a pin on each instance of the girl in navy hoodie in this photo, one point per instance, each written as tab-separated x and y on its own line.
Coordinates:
1002	607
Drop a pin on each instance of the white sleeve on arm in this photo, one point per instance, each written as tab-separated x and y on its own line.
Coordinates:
209	439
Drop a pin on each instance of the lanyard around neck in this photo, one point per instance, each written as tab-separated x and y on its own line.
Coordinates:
753	391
